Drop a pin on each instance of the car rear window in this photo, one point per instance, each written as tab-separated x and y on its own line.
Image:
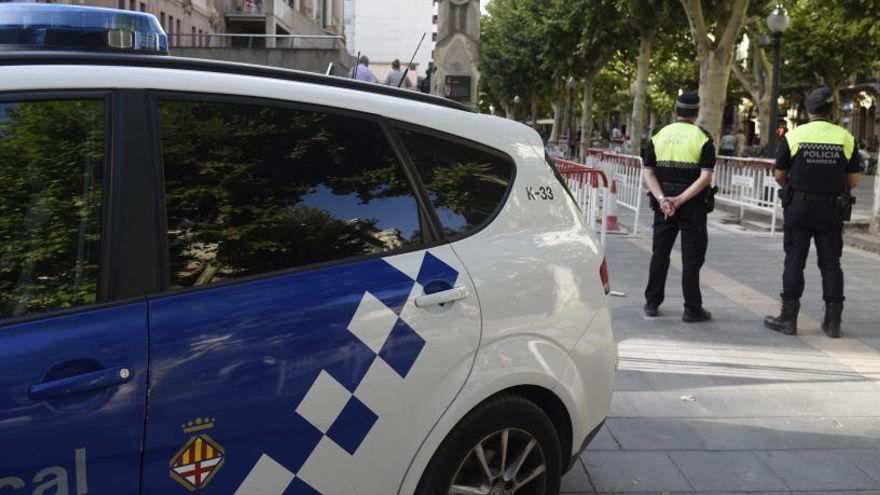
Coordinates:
467	185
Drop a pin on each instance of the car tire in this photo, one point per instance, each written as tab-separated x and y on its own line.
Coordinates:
506	420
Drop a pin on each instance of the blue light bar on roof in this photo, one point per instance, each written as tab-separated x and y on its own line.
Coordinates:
52	26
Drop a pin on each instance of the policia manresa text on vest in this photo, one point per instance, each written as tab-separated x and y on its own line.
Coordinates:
679	161
817	165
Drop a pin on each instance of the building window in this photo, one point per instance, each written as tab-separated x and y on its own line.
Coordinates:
434	19
131	5
121	4
143	7
433	36
162	20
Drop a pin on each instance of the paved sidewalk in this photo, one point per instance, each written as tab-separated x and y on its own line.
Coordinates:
728	406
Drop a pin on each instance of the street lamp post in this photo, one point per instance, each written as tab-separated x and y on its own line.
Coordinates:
515	105
777	21
570	84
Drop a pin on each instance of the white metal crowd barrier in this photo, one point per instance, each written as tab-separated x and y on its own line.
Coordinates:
589	186
628	174
747	183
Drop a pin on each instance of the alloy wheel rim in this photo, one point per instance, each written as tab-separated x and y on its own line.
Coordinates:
506	462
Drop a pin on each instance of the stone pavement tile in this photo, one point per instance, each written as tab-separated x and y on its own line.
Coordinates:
726	471
576	480
817	470
654	434
622	406
759	404
604	440
662	380
631	380
634	472
736	434
868	460
671	404
825	432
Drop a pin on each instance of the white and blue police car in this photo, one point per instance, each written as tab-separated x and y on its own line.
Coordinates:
240	280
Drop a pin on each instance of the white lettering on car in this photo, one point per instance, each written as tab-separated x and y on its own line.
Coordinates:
53	479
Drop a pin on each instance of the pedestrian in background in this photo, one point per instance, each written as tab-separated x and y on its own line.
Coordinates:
679	162
396	75
728	143
864	156
362	71
817	164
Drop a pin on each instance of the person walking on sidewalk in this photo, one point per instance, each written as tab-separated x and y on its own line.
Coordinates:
362	72
817	165
396	76
679	162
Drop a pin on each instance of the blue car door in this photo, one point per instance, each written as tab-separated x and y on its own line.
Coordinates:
294	340
73	340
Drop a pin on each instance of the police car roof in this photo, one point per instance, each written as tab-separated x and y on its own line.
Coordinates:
40	57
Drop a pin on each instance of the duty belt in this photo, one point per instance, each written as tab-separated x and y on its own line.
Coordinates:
826	197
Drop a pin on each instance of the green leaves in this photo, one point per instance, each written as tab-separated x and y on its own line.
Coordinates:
51	158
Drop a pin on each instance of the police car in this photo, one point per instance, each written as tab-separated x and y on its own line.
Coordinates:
231	279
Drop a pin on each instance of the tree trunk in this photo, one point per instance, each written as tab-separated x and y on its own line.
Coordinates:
587	115
534	113
715	51
766	122
557	121
643	68
835	90
714	76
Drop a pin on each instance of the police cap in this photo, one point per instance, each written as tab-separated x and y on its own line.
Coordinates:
819	100
687	104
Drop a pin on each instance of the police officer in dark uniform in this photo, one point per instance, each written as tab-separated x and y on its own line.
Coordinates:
817	164
679	162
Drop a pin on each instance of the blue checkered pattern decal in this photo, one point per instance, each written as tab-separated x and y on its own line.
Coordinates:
330	407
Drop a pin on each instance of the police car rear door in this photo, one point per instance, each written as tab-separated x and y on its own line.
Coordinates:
313	329
73	333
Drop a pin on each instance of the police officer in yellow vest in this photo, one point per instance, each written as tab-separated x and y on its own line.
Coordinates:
679	161
817	166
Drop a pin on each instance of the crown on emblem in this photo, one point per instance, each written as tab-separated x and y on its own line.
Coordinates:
198	424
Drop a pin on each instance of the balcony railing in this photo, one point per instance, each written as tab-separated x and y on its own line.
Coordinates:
278	41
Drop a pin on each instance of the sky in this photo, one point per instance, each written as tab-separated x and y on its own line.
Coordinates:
483	5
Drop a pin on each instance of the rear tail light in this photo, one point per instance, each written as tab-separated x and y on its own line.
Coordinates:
603	275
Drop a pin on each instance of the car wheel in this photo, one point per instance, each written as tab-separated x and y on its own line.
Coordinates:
507	445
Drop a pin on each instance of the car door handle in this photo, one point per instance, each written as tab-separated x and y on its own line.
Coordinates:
95	380
441	297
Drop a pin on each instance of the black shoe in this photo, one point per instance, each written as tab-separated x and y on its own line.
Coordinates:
695	315
831	323
652	310
786	322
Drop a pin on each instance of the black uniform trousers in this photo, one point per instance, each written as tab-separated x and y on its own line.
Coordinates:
690	220
820	220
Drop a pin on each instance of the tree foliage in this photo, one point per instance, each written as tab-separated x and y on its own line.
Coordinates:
829	41
51	164
512	58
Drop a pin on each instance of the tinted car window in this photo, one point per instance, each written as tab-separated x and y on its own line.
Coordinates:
466	185
252	189
51	168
